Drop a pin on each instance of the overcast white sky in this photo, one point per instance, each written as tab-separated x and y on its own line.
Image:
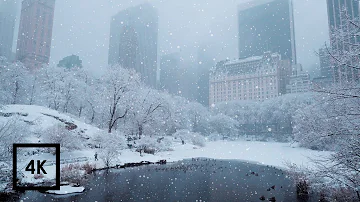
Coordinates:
82	27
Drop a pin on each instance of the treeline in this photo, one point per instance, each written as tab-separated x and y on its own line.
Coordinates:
116	100
271	118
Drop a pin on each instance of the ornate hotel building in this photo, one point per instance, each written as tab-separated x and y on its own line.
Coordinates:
256	78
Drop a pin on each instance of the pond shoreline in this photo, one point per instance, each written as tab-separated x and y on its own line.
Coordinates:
194	178
14	193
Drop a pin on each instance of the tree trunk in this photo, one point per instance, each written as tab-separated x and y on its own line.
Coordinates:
15	94
112	113
93	112
80	111
140	131
32	94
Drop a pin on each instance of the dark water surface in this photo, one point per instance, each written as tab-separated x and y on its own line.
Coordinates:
189	180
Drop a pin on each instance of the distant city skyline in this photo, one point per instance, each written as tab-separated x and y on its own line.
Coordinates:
74	31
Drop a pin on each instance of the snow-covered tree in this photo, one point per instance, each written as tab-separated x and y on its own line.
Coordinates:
224	125
334	120
14	84
61	135
187	136
53	86
198	117
117	86
271	116
178	119
148	111
11	131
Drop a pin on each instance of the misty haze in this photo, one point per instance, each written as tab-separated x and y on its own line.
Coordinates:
180	100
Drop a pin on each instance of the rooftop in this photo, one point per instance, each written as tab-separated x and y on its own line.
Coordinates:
252	4
250	59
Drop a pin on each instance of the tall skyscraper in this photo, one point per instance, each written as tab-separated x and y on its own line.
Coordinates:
205	63
35	32
7	27
266	25
338	11
133	41
325	66
339	14
170	73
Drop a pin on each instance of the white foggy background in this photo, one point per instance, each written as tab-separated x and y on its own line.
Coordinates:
82	27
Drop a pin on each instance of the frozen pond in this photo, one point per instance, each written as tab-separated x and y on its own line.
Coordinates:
189	180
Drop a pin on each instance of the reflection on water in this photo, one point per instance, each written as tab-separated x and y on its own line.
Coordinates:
189	180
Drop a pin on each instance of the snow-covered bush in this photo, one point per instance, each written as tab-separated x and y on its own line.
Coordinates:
190	137
147	145
224	125
154	144
110	146
198	140
11	131
115	140
72	173
88	168
59	134
165	144
38	176
214	137
108	156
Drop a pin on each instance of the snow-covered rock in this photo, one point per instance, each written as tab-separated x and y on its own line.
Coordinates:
38	118
66	190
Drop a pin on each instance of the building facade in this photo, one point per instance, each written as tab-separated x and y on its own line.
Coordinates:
256	78
7	27
266	25
134	39
35	32
299	81
321	83
326	69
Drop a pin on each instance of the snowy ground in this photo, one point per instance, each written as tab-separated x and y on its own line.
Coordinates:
267	153
40	118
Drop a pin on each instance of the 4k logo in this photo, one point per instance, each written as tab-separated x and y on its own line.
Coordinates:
35	167
30	167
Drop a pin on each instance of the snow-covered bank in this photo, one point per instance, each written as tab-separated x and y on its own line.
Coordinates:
267	153
37	119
